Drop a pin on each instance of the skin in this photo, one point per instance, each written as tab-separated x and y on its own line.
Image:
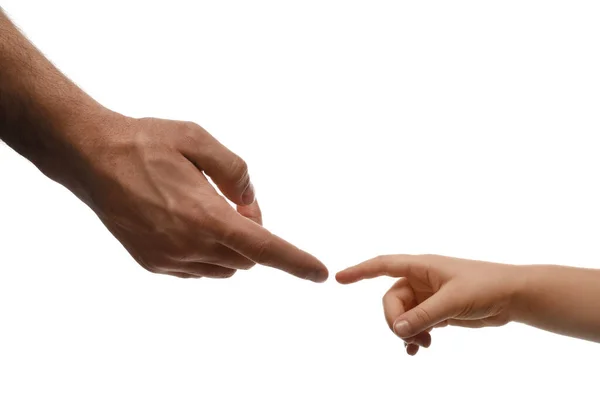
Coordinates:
436	291
146	179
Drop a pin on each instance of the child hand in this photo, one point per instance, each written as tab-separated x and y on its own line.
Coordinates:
436	291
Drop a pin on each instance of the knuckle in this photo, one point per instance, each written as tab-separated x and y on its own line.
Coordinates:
383	261
224	226
191	133
239	169
212	214
227	233
389	295
197	133
192	127
261	249
210	218
422	316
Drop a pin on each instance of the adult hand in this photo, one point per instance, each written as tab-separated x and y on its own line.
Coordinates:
147	181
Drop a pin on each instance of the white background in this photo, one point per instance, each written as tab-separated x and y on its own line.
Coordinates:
464	128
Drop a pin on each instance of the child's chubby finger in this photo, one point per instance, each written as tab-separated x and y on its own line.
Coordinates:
390	265
423	339
411	349
398	299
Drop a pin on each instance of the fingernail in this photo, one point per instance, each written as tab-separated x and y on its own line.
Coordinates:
248	195
402	329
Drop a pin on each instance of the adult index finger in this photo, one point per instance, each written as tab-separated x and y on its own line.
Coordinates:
261	246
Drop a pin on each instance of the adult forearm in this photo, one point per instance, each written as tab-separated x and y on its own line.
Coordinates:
42	113
560	299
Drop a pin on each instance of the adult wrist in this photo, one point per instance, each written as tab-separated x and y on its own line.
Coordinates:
76	137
